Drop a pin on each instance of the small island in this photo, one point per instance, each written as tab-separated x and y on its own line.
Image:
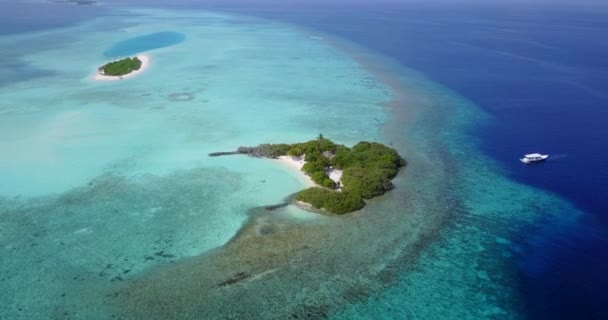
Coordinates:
121	69
344	177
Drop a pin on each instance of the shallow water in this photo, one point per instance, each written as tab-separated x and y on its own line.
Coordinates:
115	209
88	165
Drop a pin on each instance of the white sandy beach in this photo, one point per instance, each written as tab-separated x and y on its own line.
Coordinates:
298	162
145	64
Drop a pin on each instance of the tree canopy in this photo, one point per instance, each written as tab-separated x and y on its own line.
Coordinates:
121	67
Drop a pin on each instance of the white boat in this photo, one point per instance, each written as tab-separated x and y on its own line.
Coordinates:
534	157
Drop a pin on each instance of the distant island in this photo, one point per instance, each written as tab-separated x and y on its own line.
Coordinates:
122	69
344	177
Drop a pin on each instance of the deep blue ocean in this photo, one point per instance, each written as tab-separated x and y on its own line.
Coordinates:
542	73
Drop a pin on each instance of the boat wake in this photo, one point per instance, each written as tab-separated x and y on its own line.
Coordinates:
557	157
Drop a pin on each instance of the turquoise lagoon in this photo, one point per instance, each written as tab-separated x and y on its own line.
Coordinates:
139	44
111	207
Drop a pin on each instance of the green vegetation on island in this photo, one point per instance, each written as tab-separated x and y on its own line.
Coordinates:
121	67
333	201
367	171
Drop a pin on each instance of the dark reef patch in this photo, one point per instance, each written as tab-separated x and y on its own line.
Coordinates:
266	230
238	277
276	206
181	96
89	247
